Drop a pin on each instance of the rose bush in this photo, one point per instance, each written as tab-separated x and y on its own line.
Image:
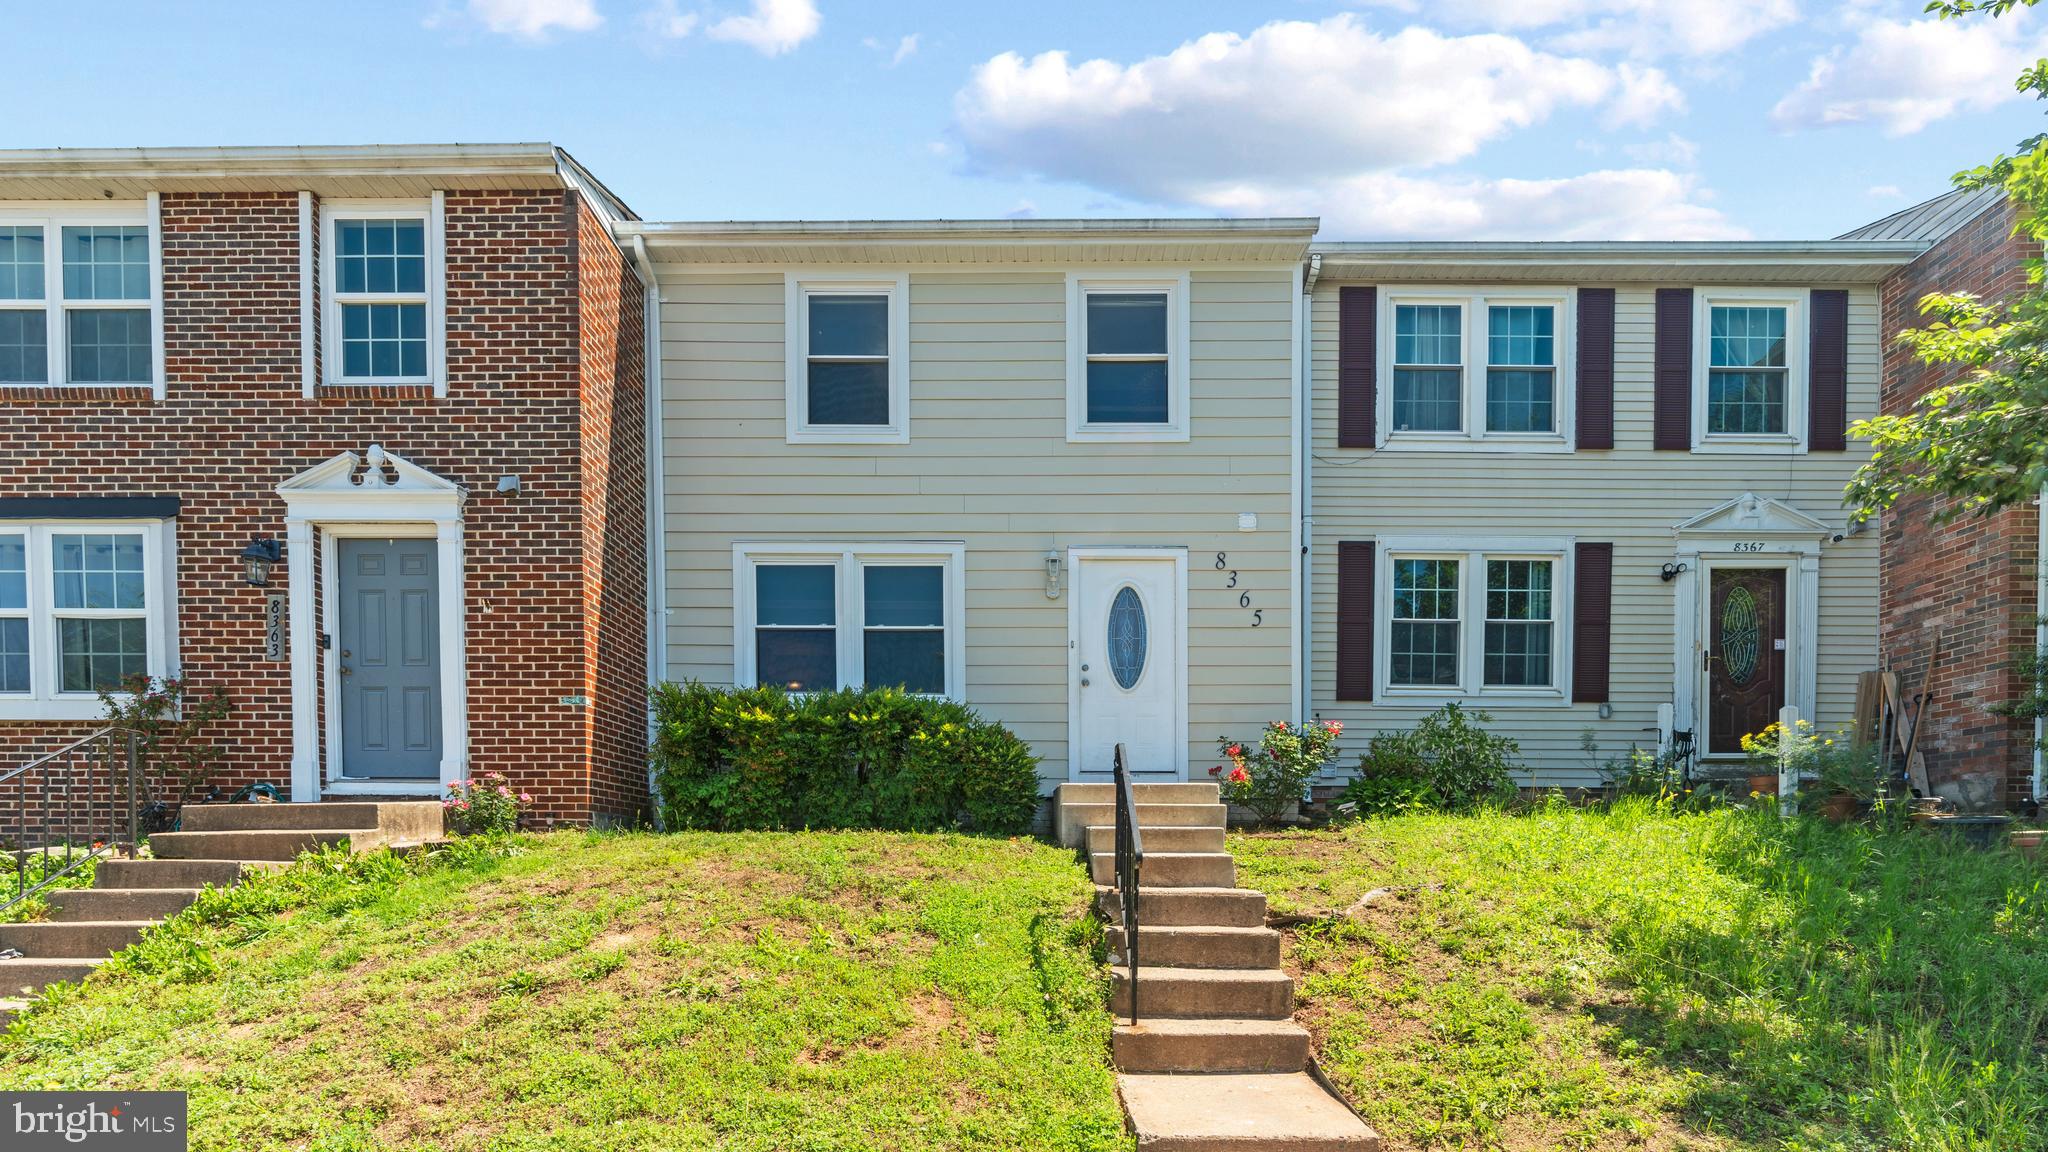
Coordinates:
1268	778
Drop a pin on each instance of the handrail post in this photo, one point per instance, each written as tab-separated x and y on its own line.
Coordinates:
134	775
1130	859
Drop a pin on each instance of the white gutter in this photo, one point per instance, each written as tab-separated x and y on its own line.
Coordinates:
2041	638
657	518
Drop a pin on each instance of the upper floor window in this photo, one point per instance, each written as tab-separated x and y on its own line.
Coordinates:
78	299
1478	367
382	286
1127	359
848	360
1749	368
82	608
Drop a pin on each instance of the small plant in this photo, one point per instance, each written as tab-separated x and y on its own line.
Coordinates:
1841	767
1456	762
173	721
485	806
1268	778
1388	796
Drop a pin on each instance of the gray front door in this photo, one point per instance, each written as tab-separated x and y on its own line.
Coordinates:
390	660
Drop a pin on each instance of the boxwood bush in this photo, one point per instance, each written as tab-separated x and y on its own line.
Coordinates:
760	758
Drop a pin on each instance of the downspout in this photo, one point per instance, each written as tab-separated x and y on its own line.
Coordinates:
1305	543
2040	638
657	519
1297	599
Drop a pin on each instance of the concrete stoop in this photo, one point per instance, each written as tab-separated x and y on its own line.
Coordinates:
1216	1062
218	846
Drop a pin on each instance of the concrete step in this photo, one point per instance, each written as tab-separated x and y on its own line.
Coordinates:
410	822
84	939
1160	839
119	903
1200	947
268	844
1173	793
175	873
1285	1112
1171	870
26	976
1172	907
1207	993
1210	1046
1074	819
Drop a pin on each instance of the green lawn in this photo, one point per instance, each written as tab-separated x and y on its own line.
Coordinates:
1580	979
746	991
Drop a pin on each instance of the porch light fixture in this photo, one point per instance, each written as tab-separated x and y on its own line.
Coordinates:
258	558
1052	575
1670	572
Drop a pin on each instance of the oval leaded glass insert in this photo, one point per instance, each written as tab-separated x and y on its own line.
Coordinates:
1127	637
1739	635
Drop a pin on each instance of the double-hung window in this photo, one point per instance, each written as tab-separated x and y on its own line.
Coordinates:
813	617
82	609
1477	367
382	283
1750	364
79	300
1127	359
1474	618
848	352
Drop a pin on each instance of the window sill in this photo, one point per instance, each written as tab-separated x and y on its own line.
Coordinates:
1750	446
76	393
1450	443
62	708
1126	434
848	435
1495	698
375	393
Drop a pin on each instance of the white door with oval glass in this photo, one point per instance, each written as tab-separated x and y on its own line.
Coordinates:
1127	662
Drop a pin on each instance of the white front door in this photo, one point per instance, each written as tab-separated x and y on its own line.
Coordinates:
1128	679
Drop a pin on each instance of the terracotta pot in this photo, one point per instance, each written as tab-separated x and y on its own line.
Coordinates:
2027	841
1841	807
1768	785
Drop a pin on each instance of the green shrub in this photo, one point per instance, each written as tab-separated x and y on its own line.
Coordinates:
1448	761
1275	774
760	758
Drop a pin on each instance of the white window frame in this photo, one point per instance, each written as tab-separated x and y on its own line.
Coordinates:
1472	435
432	211
1472	555
44	700
1178	289
53	218
1793	439
849	614
798	288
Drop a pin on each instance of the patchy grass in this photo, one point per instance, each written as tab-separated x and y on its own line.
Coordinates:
1637	978
16	875
747	991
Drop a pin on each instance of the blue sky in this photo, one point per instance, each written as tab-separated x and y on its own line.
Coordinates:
1524	119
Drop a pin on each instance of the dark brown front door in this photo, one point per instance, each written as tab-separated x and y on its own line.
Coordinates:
1745	654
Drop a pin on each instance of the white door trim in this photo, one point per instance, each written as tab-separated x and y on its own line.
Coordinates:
1076	555
1802	629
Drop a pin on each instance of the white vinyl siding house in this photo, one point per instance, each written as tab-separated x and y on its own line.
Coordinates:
1441	507
992	471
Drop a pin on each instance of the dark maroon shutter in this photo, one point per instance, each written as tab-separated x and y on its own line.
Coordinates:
1592	613
1827	372
1674	369
1596	368
1357	368
1354	618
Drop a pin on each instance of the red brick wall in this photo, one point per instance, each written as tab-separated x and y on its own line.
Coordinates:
234	424
1967	584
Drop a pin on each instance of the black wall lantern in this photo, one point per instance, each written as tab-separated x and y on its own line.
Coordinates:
258	558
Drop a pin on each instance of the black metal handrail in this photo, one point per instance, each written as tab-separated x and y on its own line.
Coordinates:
67	808
1130	860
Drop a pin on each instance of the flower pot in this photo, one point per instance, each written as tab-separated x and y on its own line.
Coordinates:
1767	785
2027	841
1841	807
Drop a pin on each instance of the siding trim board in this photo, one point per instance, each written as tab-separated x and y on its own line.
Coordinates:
1596	368
1673	371
1357	367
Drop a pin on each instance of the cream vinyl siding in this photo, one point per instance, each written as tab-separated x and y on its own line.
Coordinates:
988	464
1630	495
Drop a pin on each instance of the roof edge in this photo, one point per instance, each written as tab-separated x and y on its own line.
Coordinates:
683	232
1620	251
338	159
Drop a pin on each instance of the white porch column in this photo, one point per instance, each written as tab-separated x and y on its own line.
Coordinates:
454	657
305	652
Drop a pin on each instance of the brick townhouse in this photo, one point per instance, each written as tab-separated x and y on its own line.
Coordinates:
1959	599
415	372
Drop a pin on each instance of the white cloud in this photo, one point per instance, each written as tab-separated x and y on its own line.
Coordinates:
1615	204
1903	76
773	28
1885	192
1672	151
665	19
1643	95
1326	119
1638	27
903	50
1289	102
534	19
